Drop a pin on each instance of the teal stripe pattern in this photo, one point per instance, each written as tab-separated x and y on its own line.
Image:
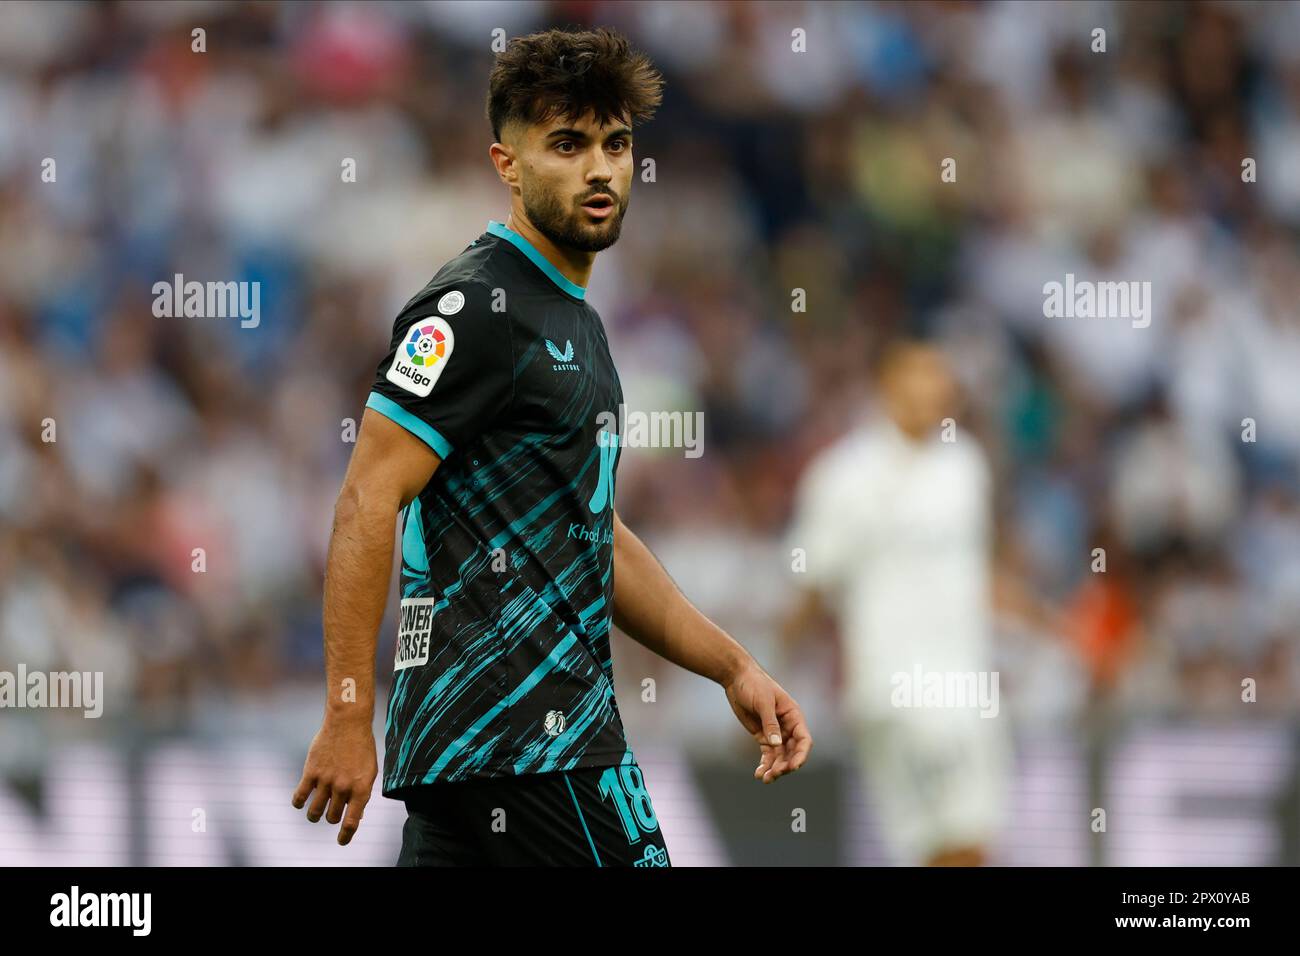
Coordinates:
418	427
528	683
514	566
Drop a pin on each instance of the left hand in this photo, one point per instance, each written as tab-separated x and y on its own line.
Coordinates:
772	718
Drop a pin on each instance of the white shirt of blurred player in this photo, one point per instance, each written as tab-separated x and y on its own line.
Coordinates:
896	535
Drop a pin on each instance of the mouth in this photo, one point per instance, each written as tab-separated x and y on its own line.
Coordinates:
600	206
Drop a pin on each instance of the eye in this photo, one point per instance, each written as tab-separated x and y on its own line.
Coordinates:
565	143
618	145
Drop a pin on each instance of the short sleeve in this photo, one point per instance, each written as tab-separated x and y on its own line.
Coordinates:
821	528
449	371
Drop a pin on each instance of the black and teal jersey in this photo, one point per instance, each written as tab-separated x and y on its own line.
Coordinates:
502	663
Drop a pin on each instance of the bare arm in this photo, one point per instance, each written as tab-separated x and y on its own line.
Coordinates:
388	469
389	466
652	610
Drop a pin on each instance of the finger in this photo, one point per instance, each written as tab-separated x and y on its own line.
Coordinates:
778	767
786	761
351	822
764	760
339	795
773	764
797	744
318	802
798	741
769	738
765	705
305	787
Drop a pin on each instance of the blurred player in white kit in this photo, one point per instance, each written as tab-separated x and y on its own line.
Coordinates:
896	525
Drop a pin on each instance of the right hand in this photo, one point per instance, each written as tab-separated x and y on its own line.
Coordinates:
341	767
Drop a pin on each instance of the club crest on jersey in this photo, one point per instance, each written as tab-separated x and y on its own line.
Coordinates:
421	356
451	302
563	360
554	722
414	629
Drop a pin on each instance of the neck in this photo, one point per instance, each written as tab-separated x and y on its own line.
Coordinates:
574	264
914	435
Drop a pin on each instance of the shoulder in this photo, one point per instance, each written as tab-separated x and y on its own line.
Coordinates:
850	450
843	461
967	453
470	283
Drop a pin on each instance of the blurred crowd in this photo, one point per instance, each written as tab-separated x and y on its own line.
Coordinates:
167	484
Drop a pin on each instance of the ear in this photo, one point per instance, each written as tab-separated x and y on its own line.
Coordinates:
506	162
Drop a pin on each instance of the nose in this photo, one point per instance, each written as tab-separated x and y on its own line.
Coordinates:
600	172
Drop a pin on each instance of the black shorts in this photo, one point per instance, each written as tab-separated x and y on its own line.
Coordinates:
598	816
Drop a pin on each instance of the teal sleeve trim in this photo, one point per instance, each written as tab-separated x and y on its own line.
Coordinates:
418	427
527	248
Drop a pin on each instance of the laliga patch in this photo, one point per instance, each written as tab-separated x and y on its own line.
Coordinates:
422	355
414	632
451	302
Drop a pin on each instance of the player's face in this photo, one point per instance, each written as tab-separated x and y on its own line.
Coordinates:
919	391
575	180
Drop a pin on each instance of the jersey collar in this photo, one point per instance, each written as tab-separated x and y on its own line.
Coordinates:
539	260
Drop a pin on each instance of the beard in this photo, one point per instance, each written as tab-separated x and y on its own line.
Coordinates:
567	226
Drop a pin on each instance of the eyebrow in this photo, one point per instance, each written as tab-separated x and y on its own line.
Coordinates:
568	133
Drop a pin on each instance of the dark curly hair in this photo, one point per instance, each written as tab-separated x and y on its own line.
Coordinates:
566	73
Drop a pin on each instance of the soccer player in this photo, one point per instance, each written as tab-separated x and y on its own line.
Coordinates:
488	428
896	526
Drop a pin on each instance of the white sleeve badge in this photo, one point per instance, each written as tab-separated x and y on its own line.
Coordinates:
425	351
